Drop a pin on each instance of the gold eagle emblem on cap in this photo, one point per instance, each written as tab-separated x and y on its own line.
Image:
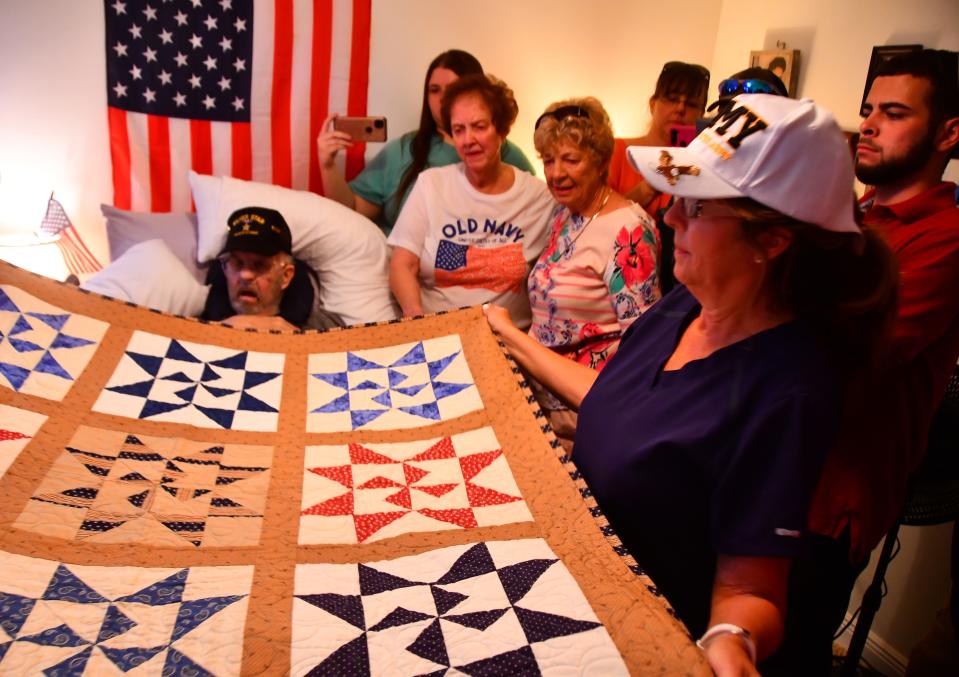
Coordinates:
674	172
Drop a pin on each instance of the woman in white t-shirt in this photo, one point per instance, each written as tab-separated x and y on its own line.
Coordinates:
469	232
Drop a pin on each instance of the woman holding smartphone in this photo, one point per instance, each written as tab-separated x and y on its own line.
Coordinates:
679	99
382	187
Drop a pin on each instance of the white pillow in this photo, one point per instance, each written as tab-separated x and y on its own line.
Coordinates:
177	229
150	274
347	250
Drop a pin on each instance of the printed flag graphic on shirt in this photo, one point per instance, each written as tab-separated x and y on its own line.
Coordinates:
228	87
56	224
498	269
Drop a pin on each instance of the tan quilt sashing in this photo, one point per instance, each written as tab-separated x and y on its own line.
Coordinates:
180	497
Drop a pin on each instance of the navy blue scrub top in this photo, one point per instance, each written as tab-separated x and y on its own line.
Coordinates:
720	456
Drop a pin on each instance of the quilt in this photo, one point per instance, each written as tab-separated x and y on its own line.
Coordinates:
183	498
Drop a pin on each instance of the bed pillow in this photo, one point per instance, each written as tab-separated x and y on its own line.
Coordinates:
150	274
176	229
347	250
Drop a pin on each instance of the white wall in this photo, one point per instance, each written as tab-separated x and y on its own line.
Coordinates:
544	50
53	126
917	585
836	41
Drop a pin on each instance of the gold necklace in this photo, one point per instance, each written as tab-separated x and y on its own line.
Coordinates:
609	191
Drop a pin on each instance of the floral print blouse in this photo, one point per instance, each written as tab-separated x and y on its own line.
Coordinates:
594	278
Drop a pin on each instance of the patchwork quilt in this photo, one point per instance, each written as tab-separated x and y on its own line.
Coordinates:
182	498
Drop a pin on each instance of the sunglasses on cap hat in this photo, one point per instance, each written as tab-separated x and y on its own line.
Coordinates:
732	87
562	113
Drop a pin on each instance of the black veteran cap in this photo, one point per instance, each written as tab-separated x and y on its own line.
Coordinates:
258	230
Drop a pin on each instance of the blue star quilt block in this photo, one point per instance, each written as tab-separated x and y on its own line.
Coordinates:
403	386
163	379
17	428
66	619
489	608
114	487
43	349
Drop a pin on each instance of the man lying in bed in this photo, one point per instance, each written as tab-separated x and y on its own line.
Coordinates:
258	285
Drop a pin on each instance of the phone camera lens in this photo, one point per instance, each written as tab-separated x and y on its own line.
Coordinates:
378	123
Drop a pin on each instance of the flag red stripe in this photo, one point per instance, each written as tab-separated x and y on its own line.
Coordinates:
242	137
75	255
319	74
282	88
158	133
75	262
82	252
359	79
68	259
201	147
120	156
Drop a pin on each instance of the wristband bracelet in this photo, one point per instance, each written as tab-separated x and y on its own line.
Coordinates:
729	629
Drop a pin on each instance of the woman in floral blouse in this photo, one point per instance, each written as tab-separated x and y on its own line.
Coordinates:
598	272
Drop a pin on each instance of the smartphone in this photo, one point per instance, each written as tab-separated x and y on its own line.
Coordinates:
681	135
362	128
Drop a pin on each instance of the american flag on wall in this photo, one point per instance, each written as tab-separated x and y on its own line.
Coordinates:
232	87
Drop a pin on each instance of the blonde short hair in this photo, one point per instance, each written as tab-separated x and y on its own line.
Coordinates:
593	134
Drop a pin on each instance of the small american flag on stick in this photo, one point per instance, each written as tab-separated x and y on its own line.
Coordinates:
56	224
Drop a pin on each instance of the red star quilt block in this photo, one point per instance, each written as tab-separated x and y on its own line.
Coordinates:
356	493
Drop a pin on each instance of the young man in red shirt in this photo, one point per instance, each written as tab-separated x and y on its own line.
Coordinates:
909	131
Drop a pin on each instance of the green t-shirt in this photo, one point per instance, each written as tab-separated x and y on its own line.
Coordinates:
381	178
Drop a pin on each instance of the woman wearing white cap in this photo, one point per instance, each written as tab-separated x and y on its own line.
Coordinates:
703	438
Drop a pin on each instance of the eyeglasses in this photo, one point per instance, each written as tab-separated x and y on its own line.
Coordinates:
258	266
693	208
732	87
561	114
677	99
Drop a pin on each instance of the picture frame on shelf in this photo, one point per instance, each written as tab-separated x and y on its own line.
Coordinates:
782	62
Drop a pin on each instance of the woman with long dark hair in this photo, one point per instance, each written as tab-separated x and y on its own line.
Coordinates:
381	189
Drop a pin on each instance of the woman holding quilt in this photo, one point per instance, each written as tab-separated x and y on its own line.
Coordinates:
703	438
598	272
